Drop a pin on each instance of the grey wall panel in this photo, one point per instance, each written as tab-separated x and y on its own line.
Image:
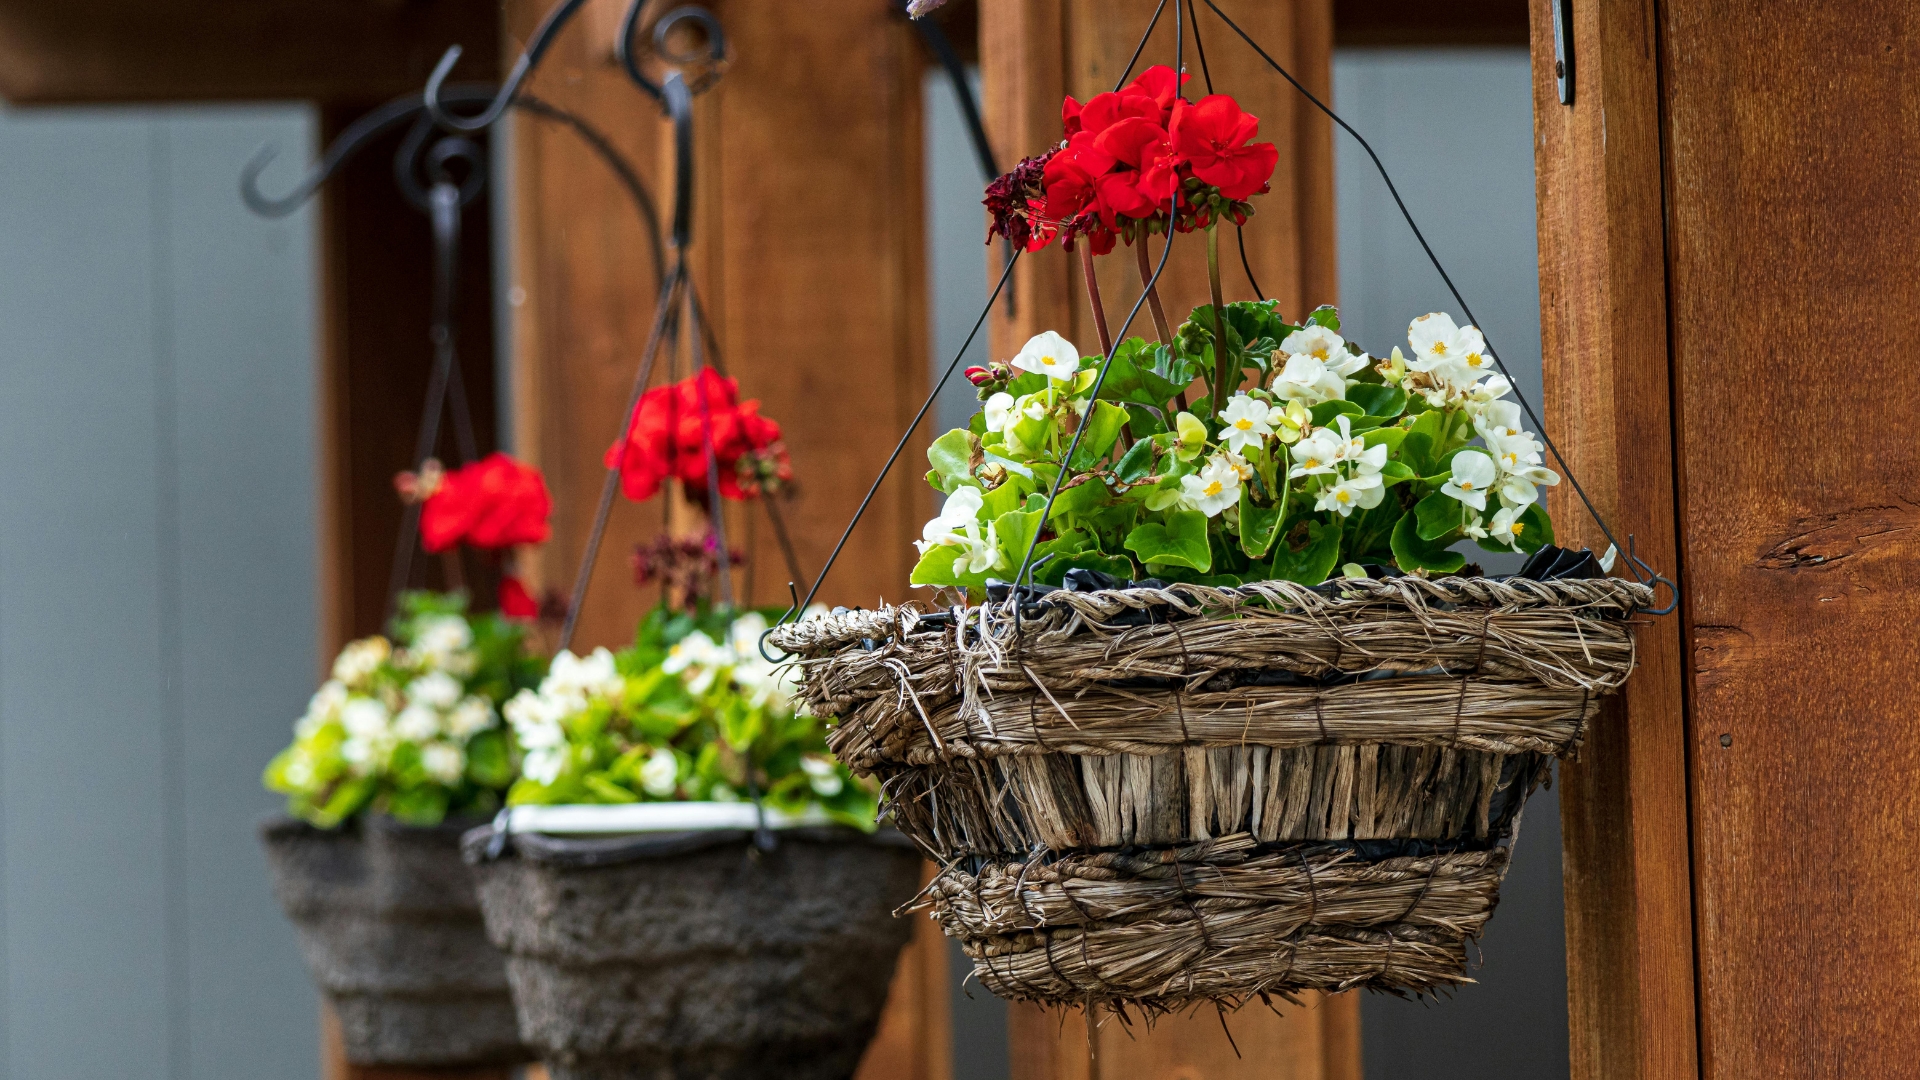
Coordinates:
240	296
157	584
1455	128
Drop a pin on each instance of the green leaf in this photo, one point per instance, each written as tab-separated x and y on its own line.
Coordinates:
1103	424
1396	472
1313	561
1136	464
1324	412
422	805
1145	373
1326	315
1378	399
1144	422
1422	439
1536	532
488	763
1412	553
936	568
1182	541
1259	524
1015	532
1439	515
1389	437
952	458
606	791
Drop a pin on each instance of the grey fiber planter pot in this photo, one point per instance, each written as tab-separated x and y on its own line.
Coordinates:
695	955
392	933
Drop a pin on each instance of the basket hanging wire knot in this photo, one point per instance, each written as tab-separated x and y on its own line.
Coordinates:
1156	797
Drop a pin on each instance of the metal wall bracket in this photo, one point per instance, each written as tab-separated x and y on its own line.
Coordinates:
1563	48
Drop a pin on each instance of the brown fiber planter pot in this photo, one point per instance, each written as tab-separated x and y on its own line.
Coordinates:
693	956
392	933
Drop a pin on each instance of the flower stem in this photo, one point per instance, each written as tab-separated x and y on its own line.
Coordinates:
1223	385
1093	298
1160	324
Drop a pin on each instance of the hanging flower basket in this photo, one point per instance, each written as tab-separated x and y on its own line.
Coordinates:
1159	796
680	949
391	931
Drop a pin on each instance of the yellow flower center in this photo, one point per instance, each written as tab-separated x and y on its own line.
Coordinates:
1466	485
1440	348
1213	489
1243	425
1475	360
1320	353
1518	527
1313	463
1510	458
1048	361
1343	495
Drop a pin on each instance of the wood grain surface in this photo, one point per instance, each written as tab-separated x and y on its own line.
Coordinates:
1793	208
1603	324
1032	53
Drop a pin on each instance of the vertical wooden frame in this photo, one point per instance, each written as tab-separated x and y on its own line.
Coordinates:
1604	304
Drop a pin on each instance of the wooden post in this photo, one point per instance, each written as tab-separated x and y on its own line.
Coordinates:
1032	53
1604	310
807	249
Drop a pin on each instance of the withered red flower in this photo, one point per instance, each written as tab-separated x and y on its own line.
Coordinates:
671	429
515	601
1214	136
1009	199
495	502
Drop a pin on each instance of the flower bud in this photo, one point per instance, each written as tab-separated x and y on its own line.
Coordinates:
978	375
1395	369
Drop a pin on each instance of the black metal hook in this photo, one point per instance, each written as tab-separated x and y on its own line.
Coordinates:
537	46
793	595
417	155
713	57
1646	575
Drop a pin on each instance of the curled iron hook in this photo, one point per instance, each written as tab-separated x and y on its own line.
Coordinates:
537	46
793	593
713	57
357	134
1646	575
417	155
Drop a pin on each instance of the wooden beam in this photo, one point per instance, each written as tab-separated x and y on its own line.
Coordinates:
1604	310
808	252
1425	24
60	51
1791	215
1032	53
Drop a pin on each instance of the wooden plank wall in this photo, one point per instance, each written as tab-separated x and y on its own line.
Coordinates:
808	252
1603	302
1793	210
1032	52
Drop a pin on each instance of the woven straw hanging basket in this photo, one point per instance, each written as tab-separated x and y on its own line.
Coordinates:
1159	797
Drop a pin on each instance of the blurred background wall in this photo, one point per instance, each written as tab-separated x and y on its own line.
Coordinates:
157	591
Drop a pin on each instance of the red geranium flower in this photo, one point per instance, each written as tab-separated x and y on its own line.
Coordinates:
495	502
515	601
671	429
1214	137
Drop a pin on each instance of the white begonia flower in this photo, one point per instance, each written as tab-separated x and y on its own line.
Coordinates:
699	655
1473	476
1518	486
1487	392
365	718
542	766
1000	415
1440	345
1318	453
1047	353
435	689
360	659
1360	492
444	762
822	777
660	775
1513	452
593	675
536	718
1248	421
440	641
1213	489
469	718
1507	526
1308	381
1496	419
417	723
1475	528
322	708
961	509
299	771
1316	341
363	756
981	552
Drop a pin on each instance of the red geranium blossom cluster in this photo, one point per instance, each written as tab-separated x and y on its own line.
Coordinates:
1132	159
667	439
492	503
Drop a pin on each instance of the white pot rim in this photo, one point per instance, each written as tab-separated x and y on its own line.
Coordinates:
655	817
